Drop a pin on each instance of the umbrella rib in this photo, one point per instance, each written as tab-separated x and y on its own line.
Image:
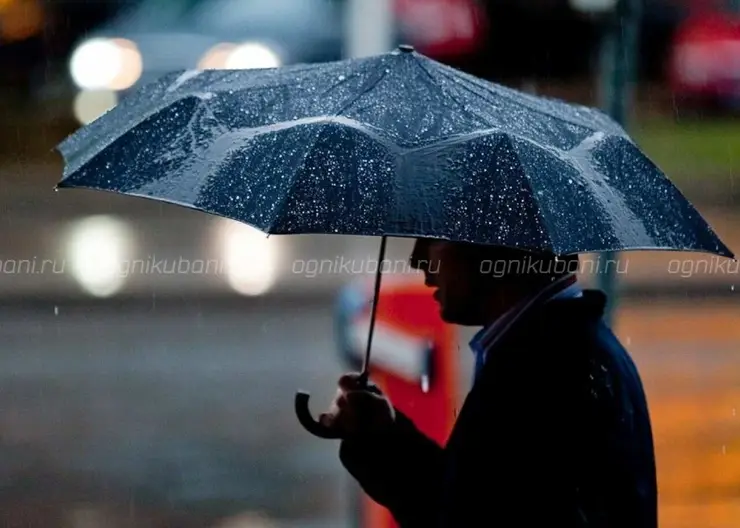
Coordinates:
369	86
274	79
445	93
280	208
515	101
378	76
528	182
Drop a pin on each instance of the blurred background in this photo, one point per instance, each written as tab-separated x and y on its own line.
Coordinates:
161	394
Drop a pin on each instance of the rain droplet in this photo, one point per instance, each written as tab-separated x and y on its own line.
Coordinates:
734	412
724	450
56	310
732	288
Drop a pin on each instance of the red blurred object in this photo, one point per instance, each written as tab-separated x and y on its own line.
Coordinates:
414	362
443	28
705	59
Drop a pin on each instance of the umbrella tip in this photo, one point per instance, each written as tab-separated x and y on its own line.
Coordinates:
405	48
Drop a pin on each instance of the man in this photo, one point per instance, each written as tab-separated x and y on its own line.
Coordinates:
555	431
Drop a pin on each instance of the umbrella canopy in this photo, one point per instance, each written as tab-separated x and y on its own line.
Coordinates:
391	145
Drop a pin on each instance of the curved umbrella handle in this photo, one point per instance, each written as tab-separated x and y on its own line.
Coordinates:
312	425
308	422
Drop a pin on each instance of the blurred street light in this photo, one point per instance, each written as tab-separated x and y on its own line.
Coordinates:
246	520
96	249
100	63
593	6
245	56
21	19
250	258
252	55
91	104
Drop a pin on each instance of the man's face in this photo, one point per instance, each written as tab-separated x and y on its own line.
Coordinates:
455	278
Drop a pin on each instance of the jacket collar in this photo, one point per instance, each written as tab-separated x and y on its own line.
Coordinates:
486	338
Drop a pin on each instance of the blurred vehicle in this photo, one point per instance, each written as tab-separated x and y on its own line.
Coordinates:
705	61
157	36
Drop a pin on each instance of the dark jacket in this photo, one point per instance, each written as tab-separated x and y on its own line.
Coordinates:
554	433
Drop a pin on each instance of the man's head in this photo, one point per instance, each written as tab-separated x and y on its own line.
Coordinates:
475	283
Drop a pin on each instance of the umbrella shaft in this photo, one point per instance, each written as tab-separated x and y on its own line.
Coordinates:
376	297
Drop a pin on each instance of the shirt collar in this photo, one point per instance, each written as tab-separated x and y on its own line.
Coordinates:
484	339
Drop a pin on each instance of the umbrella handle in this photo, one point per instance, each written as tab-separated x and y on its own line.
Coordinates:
312	425
308	422
305	418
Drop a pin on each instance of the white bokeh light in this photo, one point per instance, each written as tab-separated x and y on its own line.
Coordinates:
95	63
252	56
593	6
102	63
246	520
246	56
251	259
96	249
91	104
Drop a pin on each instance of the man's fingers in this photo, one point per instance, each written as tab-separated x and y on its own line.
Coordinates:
341	423
326	419
361	400
349	382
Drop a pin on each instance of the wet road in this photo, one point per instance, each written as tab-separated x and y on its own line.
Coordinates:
171	413
176	408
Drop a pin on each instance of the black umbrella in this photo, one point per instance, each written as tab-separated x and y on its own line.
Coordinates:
391	145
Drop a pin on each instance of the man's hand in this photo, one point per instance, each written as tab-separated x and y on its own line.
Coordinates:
356	410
